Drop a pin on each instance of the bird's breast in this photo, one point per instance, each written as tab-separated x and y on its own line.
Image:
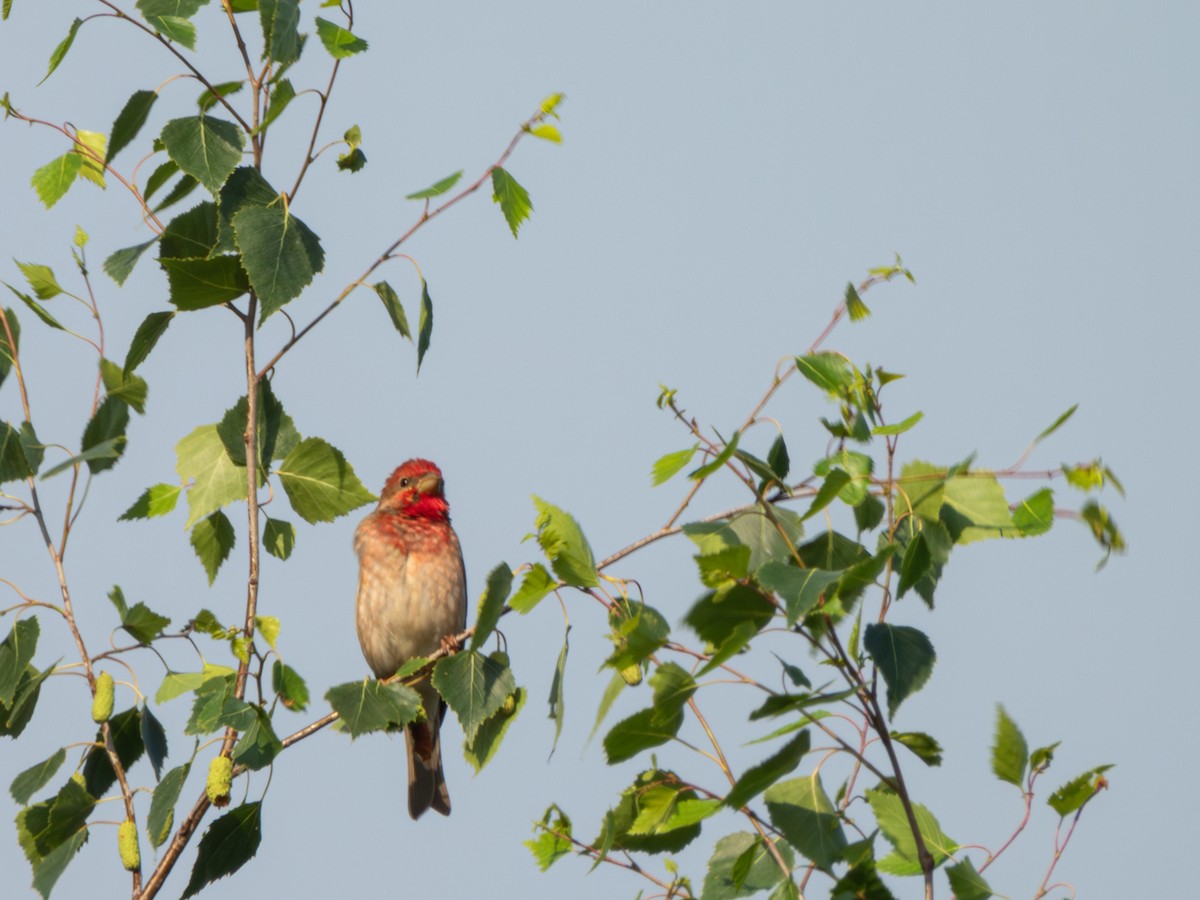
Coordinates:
408	599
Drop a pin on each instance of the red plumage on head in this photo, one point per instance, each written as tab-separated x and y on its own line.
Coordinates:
402	493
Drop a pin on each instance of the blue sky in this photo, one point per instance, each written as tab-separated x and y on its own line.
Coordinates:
726	169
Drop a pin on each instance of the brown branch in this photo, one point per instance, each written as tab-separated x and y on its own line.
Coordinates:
426	216
170	47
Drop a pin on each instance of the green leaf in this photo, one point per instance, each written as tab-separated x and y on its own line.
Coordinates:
966	883
564	544
37	308
491	604
162	804
170	18
337	40
491	733
536	584
726	565
802	812
8	353
45	826
47	871
369	705
769	531
1009	750
727	620
854	304
438	187
1040	759
759	777
208	149
759	870
290	687
129	121
899	427
105	450
16	715
904	657
201	283
1103	529
245	187
210	97
275	255
36	777
215	480
831	372
153	327
1078	791
800	589
1035	514
61	50
215	707
126	731
108	424
352	160
670	465
229	843
616	684
213	540
641	731
190	234
513	199
181	189
395	311
474	686
639	631
424	324
273	427
154	739
1058	423
14	465
889	814
916	564
281	39
282	94
161	175
673	687
558	696
41	280
835	482
716	462
554	841
857	465
90	147
258	746
157	500
119	265
53	180
654	815
34	449
975	508
928	750
123	386
174	684
319	482
142	623
279	538
546	132
268	628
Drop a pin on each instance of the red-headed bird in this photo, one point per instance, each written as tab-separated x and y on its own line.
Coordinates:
412	594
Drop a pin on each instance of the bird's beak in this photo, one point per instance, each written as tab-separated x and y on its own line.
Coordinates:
429	483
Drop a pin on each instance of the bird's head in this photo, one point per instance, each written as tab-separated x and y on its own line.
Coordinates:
415	490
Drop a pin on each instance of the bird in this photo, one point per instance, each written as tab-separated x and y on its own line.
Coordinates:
411	600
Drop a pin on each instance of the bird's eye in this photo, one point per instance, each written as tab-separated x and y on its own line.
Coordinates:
403	482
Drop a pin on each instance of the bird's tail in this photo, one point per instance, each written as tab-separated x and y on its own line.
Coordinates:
426	781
